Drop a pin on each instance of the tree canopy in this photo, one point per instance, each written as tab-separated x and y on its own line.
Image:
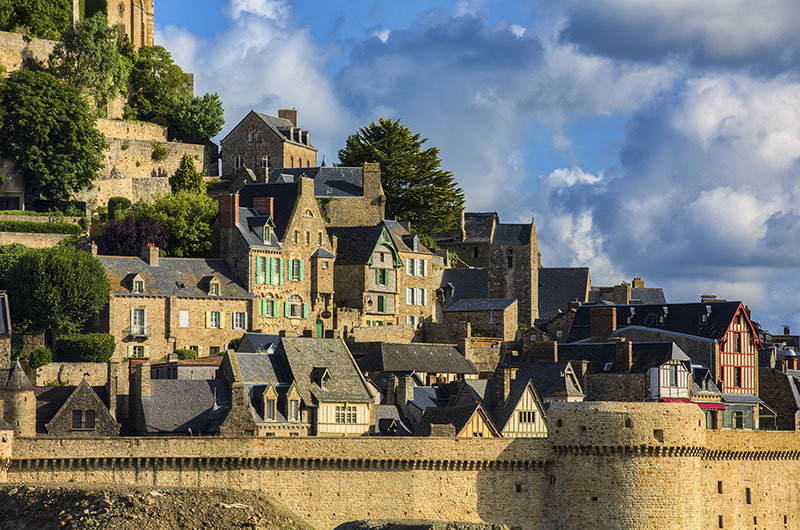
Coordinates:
198	118
417	189
187	178
186	218
89	59
56	288
49	132
127	236
42	19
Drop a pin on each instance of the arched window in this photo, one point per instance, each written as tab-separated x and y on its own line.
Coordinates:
295	304
510	254
291	161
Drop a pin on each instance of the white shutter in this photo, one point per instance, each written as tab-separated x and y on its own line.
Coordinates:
409	267
132	322
424	296
418	296
184	319
409	296
423	267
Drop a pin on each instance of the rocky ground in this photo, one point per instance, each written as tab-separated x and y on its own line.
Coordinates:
54	506
378	524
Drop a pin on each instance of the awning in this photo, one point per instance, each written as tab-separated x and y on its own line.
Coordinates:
711	406
676	400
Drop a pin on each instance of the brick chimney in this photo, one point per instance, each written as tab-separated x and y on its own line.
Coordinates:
228	210
288	114
150	254
503	381
622	293
623	356
602	321
264	206
638	283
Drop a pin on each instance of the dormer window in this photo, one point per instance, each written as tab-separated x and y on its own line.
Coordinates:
138	286
308	213
267	234
214	289
269	410
294	410
321	376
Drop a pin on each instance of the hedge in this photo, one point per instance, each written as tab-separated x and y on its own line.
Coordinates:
7	225
186	354
41	356
89	347
116	205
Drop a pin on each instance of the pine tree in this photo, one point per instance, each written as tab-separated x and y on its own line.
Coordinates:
186	177
417	189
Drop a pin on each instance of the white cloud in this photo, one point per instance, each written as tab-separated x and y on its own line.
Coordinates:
276	10
382	34
517	30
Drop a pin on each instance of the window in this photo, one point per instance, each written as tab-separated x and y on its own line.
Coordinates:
673	375
409	296
527	416
703	318
747	496
183	320
294	410
510	254
381	276
88	419
409	267
291	161
213	319
559	334
240	320
308	238
736	343
269	410
738	320
296	269
324	264
138	351
421	268
214	291
268	308
490	317
411	320
77	419
138	322
237	162
474	252
719	486
258	137
420	297
213	351
264	162
251	136
737	376
138	286
295	304
738	419
345	414
194	348
83	419
381	303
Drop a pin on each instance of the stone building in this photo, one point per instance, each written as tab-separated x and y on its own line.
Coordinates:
273	236
74	412
18	401
462	421
385	274
510	253
158	305
489	317
430	363
261	142
135	18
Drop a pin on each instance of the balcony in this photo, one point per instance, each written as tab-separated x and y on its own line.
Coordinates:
140	331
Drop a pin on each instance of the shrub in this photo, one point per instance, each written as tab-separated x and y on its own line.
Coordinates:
234	343
186	354
89	347
160	152
39	357
7	225
116	205
125	144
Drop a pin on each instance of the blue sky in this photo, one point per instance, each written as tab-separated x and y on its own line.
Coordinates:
649	139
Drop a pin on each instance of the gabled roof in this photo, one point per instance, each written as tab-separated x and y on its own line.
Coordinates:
484	391
558	286
480	304
390	421
277	125
403	238
284	195
457	416
601	355
51	399
335	182
478	226
679	318
177	405
416	357
84	394
264	368
173	276
551	380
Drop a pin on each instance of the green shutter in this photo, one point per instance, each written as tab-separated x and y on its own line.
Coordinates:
381	304
280	270
263	308
268	272
258	270
290	269
286	311
378	276
274	308
301	270
305	310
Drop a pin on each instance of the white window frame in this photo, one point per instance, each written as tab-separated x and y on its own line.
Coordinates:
490	317
345	414
420	268
214	320
183	319
138	351
409	296
239	319
294	410
409	266
138	286
295	306
269	409
214	290
237	162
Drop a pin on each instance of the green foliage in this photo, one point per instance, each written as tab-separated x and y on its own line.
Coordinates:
186	218
17	345
183	355
55	288
9	256
89	59
90	7
48	131
234	343
117	205
41	356
160	152
417	189
186	177
32	227
89	347
197	118
157	85
125	145
42	19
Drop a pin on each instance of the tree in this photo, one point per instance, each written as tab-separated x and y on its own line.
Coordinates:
48	131
41	356
417	189
198	118
127	236
186	218
9	256
89	59
56	289
157	86
186	177
43	19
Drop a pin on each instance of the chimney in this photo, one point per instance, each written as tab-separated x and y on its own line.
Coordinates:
622	293
229	210
638	283
503	381
391	390
264	205
288	114
306	186
708	298
405	392
150	254
545	352
112	386
602	321
143	380
787	330
623	356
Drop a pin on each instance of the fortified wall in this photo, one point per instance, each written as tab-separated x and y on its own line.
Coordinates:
605	465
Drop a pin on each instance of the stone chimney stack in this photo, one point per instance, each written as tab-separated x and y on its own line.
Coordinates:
405	392
143	380
391	390
638	283
622	293
602	321
288	114
503	385
623	356
545	352
787	330
150	254
229	210
307	186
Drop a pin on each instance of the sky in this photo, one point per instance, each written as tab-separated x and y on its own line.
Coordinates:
658	140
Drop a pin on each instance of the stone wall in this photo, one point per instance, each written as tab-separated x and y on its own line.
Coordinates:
71	373
31	239
148	132
397	333
14	48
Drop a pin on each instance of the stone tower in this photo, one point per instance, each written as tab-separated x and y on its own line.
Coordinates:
19	402
136	20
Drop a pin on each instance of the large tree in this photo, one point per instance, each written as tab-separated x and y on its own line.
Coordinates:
56	289
417	189
126	237
186	218
89	58
187	178
198	118
49	132
42	19
157	86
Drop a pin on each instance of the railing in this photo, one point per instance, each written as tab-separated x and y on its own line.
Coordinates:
140	331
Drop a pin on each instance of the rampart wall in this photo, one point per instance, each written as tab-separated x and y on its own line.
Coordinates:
14	49
31	239
604	465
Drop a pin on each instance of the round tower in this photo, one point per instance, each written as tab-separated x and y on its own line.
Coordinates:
19	402
626	465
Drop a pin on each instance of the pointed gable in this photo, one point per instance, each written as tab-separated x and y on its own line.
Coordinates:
83	414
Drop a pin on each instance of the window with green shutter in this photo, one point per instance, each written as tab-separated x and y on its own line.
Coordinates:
259	278
263	308
381	304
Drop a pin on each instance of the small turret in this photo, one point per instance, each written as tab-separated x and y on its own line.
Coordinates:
19	402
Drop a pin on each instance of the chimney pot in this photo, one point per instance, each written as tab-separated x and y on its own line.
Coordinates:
786	330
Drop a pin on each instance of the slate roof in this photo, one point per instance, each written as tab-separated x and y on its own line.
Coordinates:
480	304
177	405
264	368
50	399
257	342
403	239
322	253
457	416
171	273
284	195
550	379
639	295
512	234
356	243
478	226
645	355
387	415
558	286
16	379
337	182
426	397
251	228
680	318
277	125
467	283
416	357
